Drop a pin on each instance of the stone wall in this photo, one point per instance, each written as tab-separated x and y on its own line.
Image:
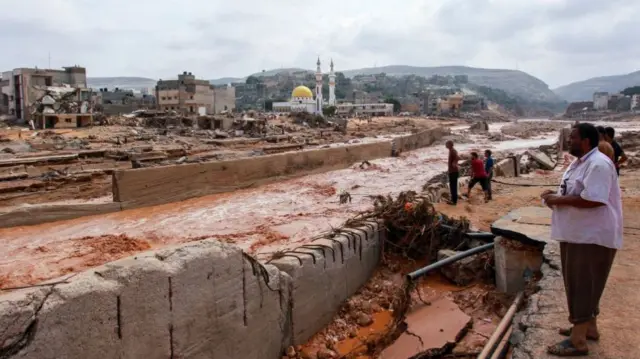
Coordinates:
199	300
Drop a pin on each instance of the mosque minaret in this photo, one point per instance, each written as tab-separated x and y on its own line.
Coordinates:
332	86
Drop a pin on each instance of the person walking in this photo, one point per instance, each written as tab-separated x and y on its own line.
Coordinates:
478	175
604	146
488	168
454	172
587	221
619	157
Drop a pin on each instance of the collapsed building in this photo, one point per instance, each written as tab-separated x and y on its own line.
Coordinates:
47	96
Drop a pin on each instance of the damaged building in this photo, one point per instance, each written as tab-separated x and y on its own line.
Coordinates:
48	98
23	90
118	101
224	98
186	95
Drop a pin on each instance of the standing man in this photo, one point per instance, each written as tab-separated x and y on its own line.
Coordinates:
587	221
619	157
603	145
453	172
488	168
478	175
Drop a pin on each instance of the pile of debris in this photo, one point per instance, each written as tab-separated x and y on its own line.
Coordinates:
531	129
55	100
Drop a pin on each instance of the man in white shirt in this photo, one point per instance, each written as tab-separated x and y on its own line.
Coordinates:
587	221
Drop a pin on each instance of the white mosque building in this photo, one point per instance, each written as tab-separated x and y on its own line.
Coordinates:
302	99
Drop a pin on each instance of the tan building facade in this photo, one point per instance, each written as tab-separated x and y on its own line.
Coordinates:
186	95
224	98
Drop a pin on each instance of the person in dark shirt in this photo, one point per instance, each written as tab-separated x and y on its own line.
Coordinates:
453	172
619	157
488	168
478	175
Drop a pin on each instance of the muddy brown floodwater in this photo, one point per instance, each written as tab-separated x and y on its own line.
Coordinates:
260	221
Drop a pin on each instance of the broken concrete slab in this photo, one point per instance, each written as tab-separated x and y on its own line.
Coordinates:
530	225
515	263
542	159
433	328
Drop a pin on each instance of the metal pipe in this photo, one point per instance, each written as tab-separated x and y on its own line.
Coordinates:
473	235
502	346
502	327
422	271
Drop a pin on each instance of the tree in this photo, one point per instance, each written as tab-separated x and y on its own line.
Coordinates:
396	104
630	91
268	105
329	111
252	80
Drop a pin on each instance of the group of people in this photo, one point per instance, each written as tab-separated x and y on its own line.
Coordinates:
481	173
586	221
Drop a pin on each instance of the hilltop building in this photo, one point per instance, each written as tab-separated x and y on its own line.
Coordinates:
600	101
635	102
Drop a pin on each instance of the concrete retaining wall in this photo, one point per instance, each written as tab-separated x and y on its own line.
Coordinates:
158	185
421	139
36	214
200	300
151	186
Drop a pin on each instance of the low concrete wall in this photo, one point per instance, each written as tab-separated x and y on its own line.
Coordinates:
326	273
421	139
36	214
134	188
158	185
151	186
199	300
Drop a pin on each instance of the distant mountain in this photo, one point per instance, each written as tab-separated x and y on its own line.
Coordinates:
226	80
121	82
583	90
516	83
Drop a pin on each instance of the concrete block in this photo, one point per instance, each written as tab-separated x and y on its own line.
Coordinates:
221	305
321	283
508	167
76	320
145	301
512	262
542	159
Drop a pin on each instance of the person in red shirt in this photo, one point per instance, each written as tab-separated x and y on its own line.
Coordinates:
478	175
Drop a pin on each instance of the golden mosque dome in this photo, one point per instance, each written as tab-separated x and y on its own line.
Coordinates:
302	91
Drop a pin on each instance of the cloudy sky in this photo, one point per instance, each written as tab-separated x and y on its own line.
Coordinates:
559	41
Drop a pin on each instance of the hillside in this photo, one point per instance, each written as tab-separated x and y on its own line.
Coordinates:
121	82
583	90
520	85
516	83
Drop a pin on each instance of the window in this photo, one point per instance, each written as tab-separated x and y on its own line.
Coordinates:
175	97
163	98
172	108
191	97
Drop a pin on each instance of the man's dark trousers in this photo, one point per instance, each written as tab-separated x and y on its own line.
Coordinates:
453	186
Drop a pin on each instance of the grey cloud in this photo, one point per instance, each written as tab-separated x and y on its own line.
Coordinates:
560	41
